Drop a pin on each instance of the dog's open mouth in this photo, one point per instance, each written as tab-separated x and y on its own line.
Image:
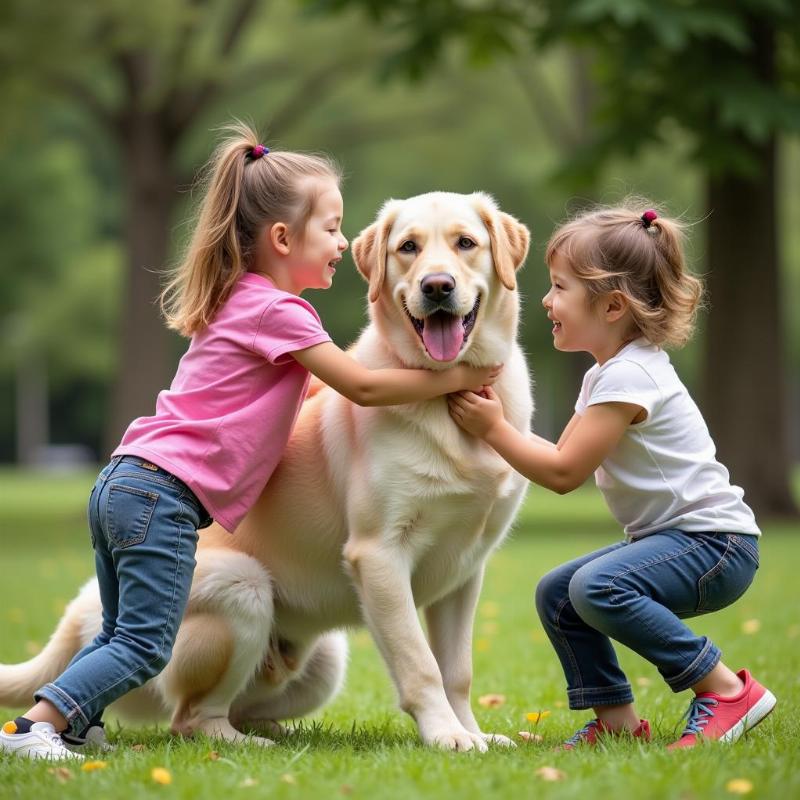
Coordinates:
444	334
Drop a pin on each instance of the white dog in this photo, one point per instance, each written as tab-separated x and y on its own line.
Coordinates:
372	513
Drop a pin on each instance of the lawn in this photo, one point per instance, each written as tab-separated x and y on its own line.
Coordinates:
362	746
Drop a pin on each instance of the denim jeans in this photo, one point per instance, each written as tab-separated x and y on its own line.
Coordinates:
637	592
143	521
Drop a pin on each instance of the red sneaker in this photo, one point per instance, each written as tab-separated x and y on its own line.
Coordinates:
726	718
590	733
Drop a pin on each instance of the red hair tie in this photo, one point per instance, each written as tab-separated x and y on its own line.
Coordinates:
258	151
648	218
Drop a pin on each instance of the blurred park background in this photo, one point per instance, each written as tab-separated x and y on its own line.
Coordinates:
110	107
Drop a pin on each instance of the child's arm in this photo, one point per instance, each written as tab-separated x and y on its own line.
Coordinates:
388	387
583	446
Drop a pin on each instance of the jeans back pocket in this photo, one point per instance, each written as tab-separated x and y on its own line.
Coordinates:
728	579
128	514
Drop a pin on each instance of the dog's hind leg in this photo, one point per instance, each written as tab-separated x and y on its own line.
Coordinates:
220	646
286	689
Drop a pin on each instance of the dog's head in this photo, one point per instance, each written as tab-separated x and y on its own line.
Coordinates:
442	277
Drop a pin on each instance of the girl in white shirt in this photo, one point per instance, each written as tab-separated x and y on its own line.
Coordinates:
620	290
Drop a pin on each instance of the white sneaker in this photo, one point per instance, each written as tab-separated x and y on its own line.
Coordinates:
41	742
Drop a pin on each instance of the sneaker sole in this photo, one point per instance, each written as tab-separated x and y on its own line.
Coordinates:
757	714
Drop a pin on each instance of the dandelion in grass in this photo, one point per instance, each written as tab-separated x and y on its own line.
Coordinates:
482	645
739	786
491	700
161	775
536	716
92	766
213	755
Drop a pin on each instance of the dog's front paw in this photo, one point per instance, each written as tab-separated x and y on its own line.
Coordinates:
497	739
458	739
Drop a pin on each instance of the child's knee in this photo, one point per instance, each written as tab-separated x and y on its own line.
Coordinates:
551	591
589	593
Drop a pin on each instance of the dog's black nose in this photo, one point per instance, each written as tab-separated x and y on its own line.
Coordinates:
438	286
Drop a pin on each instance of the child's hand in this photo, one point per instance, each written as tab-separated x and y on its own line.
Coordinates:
473	379
476	413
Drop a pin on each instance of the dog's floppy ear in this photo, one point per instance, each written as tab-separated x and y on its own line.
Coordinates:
509	238
369	249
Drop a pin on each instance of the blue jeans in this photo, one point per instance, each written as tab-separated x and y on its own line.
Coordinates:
636	593
143	522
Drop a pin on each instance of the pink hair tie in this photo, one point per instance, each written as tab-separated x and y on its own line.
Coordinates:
258	151
648	218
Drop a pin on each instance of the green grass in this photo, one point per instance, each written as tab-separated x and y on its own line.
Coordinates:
361	745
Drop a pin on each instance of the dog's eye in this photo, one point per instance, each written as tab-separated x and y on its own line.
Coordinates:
465	243
408	246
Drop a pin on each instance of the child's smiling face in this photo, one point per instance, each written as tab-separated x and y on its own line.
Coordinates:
322	243
577	325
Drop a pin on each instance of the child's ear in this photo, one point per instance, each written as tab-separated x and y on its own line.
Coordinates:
279	237
616	306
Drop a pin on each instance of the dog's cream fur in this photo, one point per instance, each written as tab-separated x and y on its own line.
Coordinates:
372	513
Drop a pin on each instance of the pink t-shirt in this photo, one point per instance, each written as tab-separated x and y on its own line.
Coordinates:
225	421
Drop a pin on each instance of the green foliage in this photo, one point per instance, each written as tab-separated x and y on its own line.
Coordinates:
362	745
703	64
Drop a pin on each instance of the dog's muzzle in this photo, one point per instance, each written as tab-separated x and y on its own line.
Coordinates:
442	329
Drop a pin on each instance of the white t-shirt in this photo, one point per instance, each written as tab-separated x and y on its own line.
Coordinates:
663	473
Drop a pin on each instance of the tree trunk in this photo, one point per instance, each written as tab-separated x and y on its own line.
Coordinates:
32	412
147	361
745	398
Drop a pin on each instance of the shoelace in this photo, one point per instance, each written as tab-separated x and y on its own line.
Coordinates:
582	733
698	715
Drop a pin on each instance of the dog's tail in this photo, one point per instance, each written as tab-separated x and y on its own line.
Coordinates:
18	682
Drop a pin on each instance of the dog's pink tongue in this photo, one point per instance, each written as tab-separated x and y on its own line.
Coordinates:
443	336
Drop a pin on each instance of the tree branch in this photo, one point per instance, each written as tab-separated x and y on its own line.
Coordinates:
545	106
182	106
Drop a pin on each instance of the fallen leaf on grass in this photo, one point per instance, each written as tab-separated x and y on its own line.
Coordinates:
530	737
91	766
739	786
247	783
536	716
751	626
346	789
491	700
644	681
287	777
213	755
550	774
161	775
138	747
62	774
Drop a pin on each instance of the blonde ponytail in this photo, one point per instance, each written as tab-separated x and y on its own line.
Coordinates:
242	194
618	250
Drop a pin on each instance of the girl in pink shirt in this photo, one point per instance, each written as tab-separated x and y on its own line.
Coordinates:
269	227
